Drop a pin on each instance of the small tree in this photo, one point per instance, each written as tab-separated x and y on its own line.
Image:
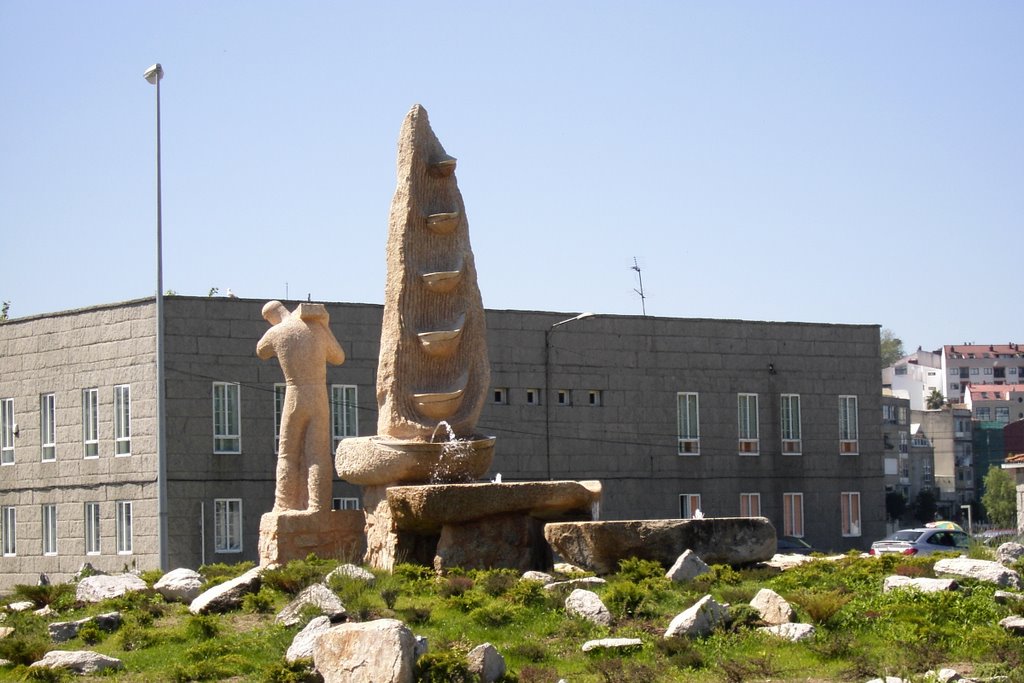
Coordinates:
925	506
895	505
1000	498
891	347
934	400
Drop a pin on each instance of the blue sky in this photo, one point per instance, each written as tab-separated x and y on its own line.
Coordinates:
802	161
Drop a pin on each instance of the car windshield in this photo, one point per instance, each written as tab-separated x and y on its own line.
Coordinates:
907	536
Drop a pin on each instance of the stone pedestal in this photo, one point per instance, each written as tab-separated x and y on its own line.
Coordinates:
294	534
478	526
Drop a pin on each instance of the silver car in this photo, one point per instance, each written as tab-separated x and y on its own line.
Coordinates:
922	541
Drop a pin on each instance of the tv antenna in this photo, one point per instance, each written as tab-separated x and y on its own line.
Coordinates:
640	291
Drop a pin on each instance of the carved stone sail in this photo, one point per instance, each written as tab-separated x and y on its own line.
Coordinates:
433	362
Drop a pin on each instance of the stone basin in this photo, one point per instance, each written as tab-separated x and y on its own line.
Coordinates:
377	461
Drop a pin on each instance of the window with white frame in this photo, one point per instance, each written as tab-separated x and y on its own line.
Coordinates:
689	504
227	430
49	515
563	397
954	371
92	528
983	413
123	419
6	431
904	442
974	371
750	505
227	525
594	397
789	413
747	422
793	514
9	530
848	429
499	395
901	415
688	416
279	391
344	419
91	422
849	506
345	504
988	371
48	427
533	397
1002	414
123	527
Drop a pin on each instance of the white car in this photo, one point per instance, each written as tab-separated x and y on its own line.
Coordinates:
922	541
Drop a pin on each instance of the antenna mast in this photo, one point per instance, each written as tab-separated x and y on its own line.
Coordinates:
640	277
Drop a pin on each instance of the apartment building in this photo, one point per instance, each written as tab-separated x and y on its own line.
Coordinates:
672	415
949	431
968	364
1000	403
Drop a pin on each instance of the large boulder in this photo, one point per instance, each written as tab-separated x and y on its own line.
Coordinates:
80	662
599	546
1014	624
228	595
699	620
923	584
317	595
381	651
304	640
351	571
772	607
63	631
486	663
792	632
100	588
686	567
982	570
1009	552
587	605
180	585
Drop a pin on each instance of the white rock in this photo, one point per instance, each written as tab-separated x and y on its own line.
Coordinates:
542	577
63	631
922	584
81	662
699	620
21	606
99	588
587	605
317	595
790	631
942	676
888	679
1007	598
612	644
566	569
351	571
381	650
686	567
983	570
583	581
1013	624
180	585
1009	552
486	663
229	594
304	640
6	631
772	607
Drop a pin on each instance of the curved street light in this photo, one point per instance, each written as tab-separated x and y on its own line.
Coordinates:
547	384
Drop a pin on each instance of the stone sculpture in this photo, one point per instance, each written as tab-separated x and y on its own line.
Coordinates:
304	344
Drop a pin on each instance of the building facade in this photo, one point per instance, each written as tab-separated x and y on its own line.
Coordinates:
967	364
672	415
949	432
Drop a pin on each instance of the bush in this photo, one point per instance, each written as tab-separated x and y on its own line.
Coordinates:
261	602
47	675
24	648
54	595
416	616
494	615
527	593
151	576
497	582
636	570
299	671
133	636
625	599
820	607
453	586
202	627
90	633
220	572
530	650
443	667
298	574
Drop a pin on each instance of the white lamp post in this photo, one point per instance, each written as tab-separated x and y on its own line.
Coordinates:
154	75
547	384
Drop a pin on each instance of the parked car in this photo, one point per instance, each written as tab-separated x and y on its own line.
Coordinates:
791	545
922	541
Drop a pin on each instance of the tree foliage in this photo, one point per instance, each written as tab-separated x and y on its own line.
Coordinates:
891	347
925	506
895	504
1000	498
934	400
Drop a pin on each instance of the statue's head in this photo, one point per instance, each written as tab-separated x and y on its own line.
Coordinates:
274	312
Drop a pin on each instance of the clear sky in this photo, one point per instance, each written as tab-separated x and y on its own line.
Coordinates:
858	162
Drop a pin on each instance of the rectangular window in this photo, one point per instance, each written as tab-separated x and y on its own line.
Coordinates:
904	442
227	430
594	397
793	514
983	413
750	505
888	414
789	410
9	519
533	397
689	505
124	527
988	371
688	415
901	415
279	390
1002	414
227	525
123	419
7	431
563	397
848	429
344	420
91	422
345	504
974	371
849	505
747	421
92	528
49	513
499	395
48	427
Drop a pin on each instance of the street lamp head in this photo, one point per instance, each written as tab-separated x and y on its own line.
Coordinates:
154	73
573	319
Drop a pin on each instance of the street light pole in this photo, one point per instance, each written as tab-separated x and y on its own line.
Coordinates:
154	75
547	385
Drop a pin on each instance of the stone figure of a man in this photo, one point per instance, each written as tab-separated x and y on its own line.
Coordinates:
304	344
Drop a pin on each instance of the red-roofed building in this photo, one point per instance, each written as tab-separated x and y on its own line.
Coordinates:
996	402
968	364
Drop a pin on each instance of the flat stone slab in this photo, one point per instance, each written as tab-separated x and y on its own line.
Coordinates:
599	546
376	461
430	507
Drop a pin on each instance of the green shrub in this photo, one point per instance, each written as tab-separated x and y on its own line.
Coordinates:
90	633
453	586
446	666
133	636
636	570
743	616
24	648
299	671
625	599
151	576
530	650
54	595
527	593
822	606
416	616
298	574
44	674
494	614
681	653
261	602
202	627
497	582
220	572
537	674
